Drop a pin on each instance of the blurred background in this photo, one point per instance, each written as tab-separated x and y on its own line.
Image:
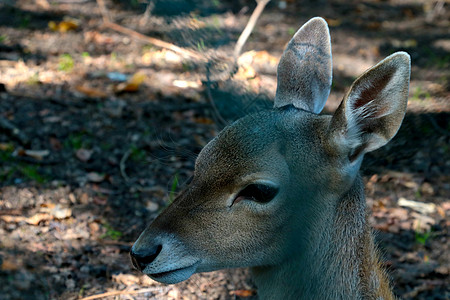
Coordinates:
104	106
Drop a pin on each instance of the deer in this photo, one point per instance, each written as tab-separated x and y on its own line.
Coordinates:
279	190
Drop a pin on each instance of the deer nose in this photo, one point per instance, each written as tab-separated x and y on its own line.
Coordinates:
141	259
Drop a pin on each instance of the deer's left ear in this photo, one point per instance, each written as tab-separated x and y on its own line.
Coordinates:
305	69
373	110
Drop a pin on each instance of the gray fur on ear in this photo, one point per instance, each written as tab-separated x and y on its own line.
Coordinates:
305	69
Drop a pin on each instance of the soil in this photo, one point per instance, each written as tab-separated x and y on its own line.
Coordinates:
89	154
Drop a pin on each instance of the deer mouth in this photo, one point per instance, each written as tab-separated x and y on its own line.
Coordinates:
176	275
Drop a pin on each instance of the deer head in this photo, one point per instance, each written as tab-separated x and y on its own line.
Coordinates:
265	191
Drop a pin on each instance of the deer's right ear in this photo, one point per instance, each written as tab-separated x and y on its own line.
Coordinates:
305	69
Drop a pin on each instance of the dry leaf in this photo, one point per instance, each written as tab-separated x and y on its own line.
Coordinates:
245	72
56	144
60	212
203	120
37	218
174	294
64	26
8	265
152	206
36	154
132	84
6	147
261	61
84	154
98	38
423	208
440	211
243	293
334	22
91	92
100	200
94	228
84	198
95	177
127	279
186	84
12	219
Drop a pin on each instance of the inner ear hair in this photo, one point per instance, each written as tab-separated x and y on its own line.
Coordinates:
373	109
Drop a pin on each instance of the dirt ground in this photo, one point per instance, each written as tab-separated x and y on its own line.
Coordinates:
99	130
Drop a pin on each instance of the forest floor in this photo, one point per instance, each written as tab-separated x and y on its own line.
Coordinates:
99	130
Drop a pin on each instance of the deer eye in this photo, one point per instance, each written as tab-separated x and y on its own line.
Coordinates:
260	193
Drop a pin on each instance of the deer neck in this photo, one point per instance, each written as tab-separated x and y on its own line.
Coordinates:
330	265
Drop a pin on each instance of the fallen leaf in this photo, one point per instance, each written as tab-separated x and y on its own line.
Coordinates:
56	144
53	119
102	190
398	213
152	206
243	293
334	22
245	72
203	120
132	84
161	57
60	212
440	211
8	265
91	92
427	189
127	279
12	219
100	200
261	61
84	198
36	154
423	208
64	26
95	177
373	25
186	84
84	154
422	223
37	218
94	228
174	294
98	38
445	205
6	147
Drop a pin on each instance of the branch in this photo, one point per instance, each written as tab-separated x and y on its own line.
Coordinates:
156	42
123	166
249	27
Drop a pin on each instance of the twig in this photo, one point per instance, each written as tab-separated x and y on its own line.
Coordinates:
116	293
156	42
249	27
144	19
123	166
103	11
